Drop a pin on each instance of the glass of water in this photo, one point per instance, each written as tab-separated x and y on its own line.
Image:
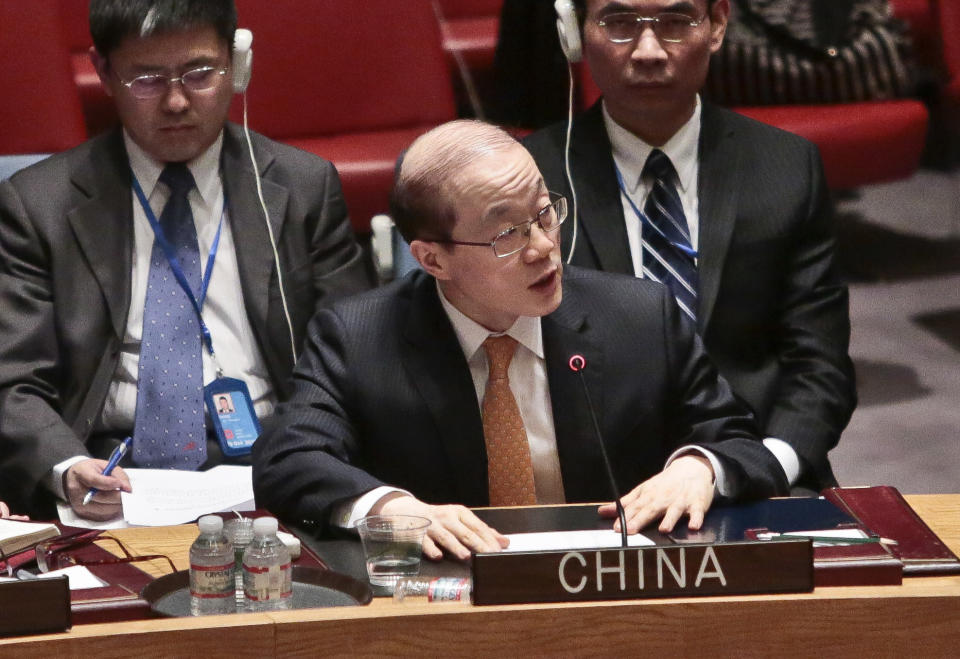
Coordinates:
392	545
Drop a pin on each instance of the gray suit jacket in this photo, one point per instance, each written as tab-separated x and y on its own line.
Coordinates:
66	244
383	395
772	312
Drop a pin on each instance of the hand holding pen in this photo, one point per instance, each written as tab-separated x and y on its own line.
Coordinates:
114	460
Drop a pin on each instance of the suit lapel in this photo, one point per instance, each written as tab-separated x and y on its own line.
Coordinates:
600	222
103	223
250	237
719	156
435	361
565	335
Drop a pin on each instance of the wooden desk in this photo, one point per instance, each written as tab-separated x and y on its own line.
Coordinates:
920	618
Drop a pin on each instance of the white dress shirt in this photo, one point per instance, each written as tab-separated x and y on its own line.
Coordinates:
224	310
630	154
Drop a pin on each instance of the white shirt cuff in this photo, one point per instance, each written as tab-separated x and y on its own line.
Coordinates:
55	476
348	512
786	456
721	485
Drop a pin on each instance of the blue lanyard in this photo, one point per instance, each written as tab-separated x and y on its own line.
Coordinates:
175	266
645	221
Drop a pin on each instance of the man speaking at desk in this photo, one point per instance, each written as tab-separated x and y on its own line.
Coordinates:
117	256
452	386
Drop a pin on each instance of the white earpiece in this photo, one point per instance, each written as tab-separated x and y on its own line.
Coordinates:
242	59
568	29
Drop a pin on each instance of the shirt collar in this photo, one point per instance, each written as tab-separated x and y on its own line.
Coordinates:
630	152
205	168
471	334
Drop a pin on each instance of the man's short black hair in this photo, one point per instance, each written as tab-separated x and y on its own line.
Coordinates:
112	21
581	7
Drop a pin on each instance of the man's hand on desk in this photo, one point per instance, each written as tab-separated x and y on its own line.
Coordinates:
685	487
453	528
105	504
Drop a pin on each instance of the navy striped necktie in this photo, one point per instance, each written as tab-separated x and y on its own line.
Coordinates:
668	255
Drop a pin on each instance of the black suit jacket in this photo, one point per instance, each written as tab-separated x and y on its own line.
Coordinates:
383	395
772	310
66	244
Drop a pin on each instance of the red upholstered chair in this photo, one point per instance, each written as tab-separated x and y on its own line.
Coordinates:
948	14
40	111
921	20
98	111
860	143
470	27
354	82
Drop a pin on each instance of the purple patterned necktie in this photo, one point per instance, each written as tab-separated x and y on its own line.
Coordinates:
169	426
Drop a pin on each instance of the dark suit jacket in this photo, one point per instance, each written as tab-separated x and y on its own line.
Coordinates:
772	311
383	395
66	244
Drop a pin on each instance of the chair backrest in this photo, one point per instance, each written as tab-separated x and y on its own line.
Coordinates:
469	8
323	67
40	111
76	24
948	15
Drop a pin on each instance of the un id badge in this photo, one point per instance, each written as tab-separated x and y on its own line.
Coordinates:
231	410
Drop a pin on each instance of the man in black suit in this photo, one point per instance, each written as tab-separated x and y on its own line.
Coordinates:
769	304
393	411
77	257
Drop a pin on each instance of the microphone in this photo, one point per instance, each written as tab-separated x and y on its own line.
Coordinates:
577	363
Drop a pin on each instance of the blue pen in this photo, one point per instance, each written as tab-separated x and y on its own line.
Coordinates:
114	460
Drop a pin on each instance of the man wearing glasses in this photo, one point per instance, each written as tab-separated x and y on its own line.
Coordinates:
101	338
452	387
732	215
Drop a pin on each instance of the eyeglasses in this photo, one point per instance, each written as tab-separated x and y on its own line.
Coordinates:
154	85
74	549
512	240
624	27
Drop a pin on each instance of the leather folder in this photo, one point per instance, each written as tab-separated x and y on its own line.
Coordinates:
884	510
835	565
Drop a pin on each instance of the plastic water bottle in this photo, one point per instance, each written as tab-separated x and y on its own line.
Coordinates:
267	574
240	532
212	569
432	589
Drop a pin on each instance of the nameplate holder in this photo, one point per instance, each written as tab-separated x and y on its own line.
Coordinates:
577	575
34	606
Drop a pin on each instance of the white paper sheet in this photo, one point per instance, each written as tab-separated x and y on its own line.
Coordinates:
70	518
573	540
164	497
80	577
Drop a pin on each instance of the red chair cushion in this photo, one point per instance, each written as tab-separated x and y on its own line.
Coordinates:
365	162
860	143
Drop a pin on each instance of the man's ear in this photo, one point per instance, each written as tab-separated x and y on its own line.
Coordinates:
431	257
102	67
719	16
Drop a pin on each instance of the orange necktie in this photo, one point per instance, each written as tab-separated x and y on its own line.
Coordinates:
509	465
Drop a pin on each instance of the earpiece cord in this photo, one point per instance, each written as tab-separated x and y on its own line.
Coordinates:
566	163
273	240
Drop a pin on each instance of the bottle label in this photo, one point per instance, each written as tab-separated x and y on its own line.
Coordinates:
267	583
212	581
447	590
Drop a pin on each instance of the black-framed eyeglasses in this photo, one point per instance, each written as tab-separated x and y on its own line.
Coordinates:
513	239
154	85
67	550
624	27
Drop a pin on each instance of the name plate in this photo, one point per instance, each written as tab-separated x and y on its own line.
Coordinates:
773	566
34	606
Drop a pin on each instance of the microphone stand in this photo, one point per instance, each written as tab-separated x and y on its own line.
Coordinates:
578	369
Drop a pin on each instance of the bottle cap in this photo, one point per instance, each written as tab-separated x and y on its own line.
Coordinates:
210	524
265	526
